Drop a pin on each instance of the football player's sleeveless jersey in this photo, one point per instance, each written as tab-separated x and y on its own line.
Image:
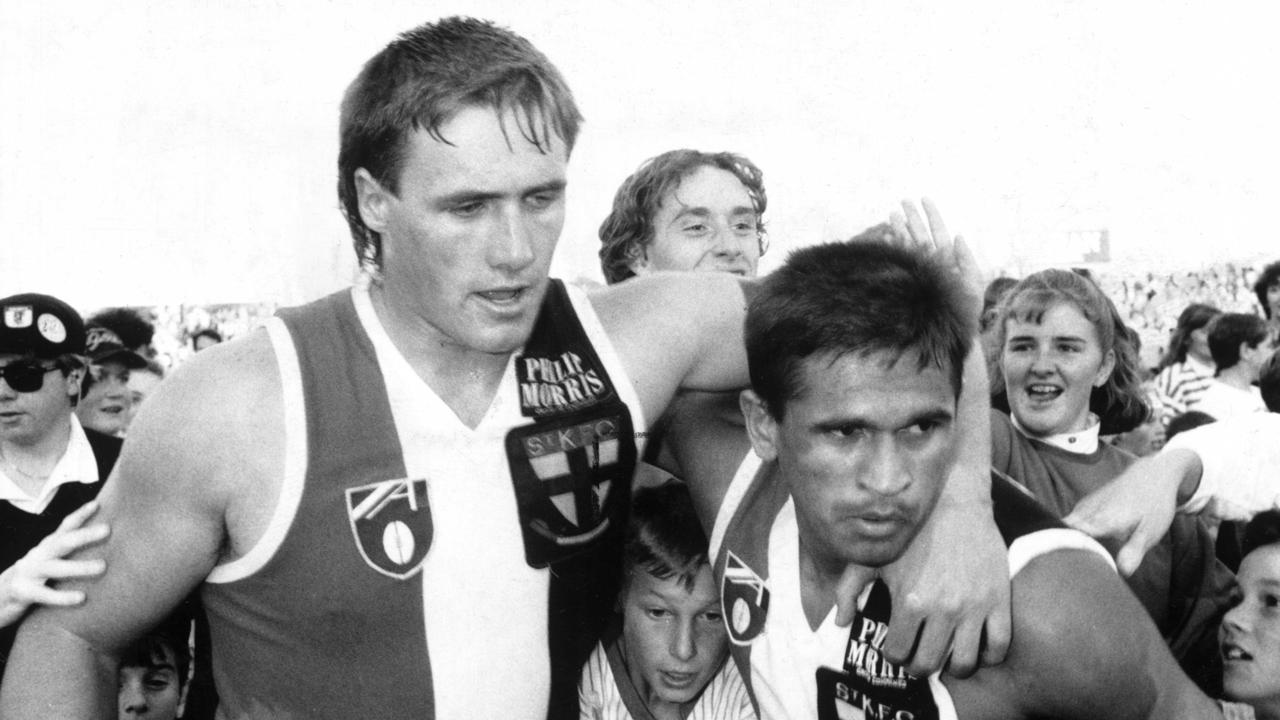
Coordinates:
793	671
395	579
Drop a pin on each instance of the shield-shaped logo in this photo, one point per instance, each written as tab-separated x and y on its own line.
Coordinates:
745	599
391	522
572	479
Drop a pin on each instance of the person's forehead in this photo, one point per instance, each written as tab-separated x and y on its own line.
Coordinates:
479	140
645	584
880	387
706	186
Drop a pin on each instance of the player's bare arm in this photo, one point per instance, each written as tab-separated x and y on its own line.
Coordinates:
676	331
184	496
1080	654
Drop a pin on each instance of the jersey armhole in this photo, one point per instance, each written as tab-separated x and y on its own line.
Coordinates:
295	462
1028	547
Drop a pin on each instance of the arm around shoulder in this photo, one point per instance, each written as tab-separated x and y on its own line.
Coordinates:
676	331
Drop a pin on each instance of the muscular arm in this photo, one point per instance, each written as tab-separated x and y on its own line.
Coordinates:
1083	648
174	504
676	331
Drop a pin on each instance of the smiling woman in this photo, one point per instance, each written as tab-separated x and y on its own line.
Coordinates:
1070	375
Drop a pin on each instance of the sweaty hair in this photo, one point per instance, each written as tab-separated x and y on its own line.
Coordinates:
1228	330
664	537
629	226
1192	318
1120	403
421	81
1263	529
864	296
1269	382
1270	276
150	651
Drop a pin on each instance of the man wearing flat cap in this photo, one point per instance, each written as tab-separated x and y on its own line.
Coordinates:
50	466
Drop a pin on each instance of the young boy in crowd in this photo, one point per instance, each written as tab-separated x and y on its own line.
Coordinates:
665	656
153	677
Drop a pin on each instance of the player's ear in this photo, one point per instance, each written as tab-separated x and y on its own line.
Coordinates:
762	428
372	199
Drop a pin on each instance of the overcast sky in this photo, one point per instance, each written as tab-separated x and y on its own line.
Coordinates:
181	151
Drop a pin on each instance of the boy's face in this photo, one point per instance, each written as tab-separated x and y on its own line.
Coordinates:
674	638
150	692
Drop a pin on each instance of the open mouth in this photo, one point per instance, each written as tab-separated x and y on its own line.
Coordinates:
503	296
679	680
1043	392
1235	653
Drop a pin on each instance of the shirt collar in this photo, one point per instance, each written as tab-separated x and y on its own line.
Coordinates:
77	465
1082	442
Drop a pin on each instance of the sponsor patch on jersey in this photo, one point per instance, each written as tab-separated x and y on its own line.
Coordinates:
562	383
868	685
391	522
572	479
745	598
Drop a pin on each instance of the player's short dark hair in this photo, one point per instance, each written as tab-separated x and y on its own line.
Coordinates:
1263	529
864	296
629	226
1269	382
420	81
135	331
1192	318
664	537
1270	276
1228	330
150	651
1121	402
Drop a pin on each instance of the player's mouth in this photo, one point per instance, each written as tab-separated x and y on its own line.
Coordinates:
504	298
111	409
878	523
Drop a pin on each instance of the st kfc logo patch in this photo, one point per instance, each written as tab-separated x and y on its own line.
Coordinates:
391	522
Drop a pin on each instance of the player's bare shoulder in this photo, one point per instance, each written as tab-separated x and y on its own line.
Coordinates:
675	330
215	424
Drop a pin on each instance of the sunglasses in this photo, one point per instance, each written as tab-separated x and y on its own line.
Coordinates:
26	376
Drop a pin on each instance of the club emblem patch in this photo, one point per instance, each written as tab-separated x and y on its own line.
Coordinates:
745	598
572	479
17	316
391	522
